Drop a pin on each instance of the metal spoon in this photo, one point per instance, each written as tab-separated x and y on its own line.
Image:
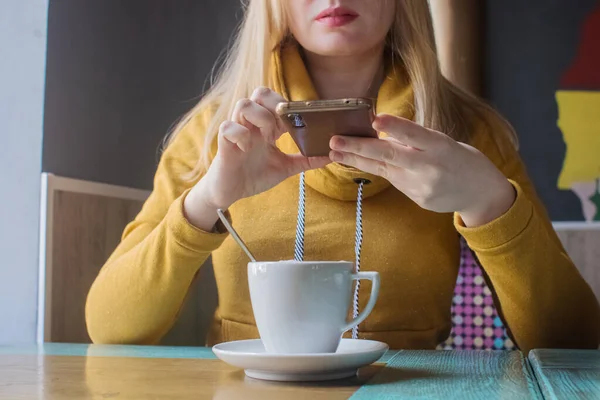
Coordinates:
237	237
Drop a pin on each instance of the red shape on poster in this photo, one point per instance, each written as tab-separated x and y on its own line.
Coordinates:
584	72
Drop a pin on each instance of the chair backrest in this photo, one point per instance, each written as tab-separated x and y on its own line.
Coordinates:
581	241
81	224
475	320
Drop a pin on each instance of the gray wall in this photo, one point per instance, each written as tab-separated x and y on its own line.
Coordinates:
23	50
120	73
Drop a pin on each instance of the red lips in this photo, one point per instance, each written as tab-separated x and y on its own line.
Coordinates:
336	16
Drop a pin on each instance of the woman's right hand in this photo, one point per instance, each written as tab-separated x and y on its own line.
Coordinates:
247	160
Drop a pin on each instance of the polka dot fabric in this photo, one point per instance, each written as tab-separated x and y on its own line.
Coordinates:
475	321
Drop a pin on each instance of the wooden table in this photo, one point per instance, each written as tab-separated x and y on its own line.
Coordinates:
63	371
567	374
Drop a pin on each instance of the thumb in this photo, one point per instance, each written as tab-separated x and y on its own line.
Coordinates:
299	163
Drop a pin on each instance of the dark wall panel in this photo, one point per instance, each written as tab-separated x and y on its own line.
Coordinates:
119	74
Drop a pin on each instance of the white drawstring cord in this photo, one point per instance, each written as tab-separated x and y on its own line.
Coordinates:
301	225
358	250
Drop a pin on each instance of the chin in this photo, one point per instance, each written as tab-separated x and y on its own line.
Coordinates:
337	47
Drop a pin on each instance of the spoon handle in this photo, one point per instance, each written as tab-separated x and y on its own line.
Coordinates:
233	233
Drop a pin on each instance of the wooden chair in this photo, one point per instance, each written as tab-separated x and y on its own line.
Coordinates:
81	224
475	320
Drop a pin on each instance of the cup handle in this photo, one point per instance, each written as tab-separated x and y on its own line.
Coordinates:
373	277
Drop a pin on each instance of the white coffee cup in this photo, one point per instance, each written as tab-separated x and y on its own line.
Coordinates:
301	307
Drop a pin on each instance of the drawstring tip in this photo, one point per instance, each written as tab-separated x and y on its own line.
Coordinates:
364	181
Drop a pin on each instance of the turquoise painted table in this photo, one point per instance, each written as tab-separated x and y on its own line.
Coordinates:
70	371
450	375
567	374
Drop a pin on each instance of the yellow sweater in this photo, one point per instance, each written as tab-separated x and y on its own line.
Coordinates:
543	299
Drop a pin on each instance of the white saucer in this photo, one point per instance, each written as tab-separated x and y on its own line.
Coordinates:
250	356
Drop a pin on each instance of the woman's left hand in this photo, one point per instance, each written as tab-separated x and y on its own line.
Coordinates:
435	171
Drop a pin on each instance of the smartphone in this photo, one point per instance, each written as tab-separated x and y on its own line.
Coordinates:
313	123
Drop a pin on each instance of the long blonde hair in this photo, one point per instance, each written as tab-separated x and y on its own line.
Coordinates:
439	104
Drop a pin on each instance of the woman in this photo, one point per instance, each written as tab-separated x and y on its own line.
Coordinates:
231	152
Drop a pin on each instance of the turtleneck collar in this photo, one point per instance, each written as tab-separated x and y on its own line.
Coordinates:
292	80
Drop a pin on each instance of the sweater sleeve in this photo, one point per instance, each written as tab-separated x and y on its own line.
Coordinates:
139	291
539	292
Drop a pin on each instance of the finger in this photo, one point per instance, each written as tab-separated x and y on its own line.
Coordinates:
389	151
232	134
379	168
269	99
251	114
300	163
406	131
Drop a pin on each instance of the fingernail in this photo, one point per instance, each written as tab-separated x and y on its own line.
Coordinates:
337	142
336	156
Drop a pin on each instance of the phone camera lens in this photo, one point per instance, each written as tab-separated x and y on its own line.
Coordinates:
296	120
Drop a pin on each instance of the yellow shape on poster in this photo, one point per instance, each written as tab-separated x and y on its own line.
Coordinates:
579	121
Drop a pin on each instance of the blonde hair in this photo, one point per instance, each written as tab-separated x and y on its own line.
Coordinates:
439	104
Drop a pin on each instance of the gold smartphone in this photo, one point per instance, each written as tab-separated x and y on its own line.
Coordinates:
313	123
